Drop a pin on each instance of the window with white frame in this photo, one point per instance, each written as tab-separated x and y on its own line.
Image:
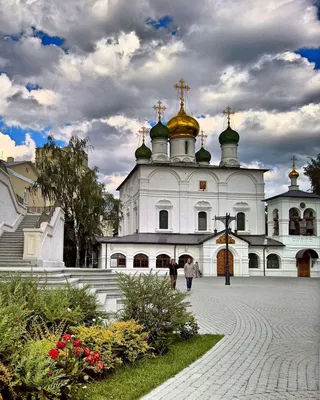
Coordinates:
163	219
202	215
202	221
273	261
241	221
164	215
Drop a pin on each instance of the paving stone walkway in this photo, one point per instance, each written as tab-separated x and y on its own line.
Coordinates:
271	348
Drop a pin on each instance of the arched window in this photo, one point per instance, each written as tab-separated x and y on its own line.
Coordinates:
294	226
118	260
309	222
141	261
162	261
202	221
183	259
163	219
273	261
275	217
253	260
241	224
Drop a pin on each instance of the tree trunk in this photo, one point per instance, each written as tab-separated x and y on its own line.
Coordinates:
76	236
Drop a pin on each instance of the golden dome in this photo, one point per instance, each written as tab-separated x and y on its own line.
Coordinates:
182	125
294	174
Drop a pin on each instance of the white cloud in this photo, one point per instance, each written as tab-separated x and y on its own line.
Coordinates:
9	148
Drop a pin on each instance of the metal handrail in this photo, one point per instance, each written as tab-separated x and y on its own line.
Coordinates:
44	217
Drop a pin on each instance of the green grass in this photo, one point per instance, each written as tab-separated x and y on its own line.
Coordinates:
132	382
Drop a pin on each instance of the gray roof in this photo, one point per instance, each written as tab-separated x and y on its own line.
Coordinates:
259	240
185	239
155	238
297	194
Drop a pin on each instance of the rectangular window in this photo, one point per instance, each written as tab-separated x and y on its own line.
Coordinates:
202	221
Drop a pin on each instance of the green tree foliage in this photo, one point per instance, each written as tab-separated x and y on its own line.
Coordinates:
312	171
149	299
65	178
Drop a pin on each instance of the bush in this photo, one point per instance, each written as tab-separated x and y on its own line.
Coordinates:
74	305
121	342
162	311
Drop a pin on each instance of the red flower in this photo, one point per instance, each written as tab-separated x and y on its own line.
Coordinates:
67	337
86	351
96	356
54	353
100	365
77	343
77	351
90	359
51	372
195	332
60	345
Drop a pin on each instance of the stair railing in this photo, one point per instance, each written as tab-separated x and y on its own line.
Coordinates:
45	217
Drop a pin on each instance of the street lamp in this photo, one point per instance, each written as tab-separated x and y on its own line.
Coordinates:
226	220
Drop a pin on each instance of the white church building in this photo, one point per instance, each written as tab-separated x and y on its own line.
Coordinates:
170	200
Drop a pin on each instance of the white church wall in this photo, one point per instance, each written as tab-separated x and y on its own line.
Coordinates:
150	184
150	250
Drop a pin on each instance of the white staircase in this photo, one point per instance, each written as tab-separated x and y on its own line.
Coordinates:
11	243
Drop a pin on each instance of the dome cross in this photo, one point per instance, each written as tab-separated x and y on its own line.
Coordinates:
203	136
294	159
143	132
182	87
228	112
159	109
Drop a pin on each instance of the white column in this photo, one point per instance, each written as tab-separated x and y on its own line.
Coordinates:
102	256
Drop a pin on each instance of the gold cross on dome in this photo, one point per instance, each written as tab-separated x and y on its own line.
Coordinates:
143	132
203	136
182	87
228	112
294	159
159	109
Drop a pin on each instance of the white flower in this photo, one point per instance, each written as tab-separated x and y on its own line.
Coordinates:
69	309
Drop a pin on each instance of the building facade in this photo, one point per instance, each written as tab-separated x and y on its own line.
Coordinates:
171	197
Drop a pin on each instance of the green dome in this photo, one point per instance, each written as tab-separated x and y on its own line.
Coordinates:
159	131
229	136
143	152
203	155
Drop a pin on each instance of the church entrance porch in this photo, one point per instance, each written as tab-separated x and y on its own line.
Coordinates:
221	262
304	258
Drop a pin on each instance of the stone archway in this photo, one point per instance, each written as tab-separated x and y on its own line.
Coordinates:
304	258
221	259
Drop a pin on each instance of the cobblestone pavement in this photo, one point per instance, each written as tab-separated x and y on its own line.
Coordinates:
271	348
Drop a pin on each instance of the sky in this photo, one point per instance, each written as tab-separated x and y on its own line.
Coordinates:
96	68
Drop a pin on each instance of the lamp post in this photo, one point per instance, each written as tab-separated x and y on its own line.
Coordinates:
226	220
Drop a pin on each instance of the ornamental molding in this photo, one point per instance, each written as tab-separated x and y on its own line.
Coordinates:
164	204
241	206
203	205
222	240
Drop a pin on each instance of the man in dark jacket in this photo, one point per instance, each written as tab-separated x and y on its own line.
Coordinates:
173	268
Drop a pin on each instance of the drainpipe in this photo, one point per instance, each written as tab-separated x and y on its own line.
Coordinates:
175	252
264	261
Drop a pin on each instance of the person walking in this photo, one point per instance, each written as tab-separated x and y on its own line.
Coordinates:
189	271
173	268
197	268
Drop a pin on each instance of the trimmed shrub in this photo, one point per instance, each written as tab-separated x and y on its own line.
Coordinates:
121	342
149	299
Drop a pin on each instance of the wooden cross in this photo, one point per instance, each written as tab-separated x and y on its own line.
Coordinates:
294	159
143	131
182	87
203	136
159	109
228	112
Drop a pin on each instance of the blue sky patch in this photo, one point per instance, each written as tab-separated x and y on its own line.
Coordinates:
18	134
47	40
163	22
32	86
312	55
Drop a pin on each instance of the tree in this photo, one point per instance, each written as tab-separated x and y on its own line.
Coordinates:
312	171
65	177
